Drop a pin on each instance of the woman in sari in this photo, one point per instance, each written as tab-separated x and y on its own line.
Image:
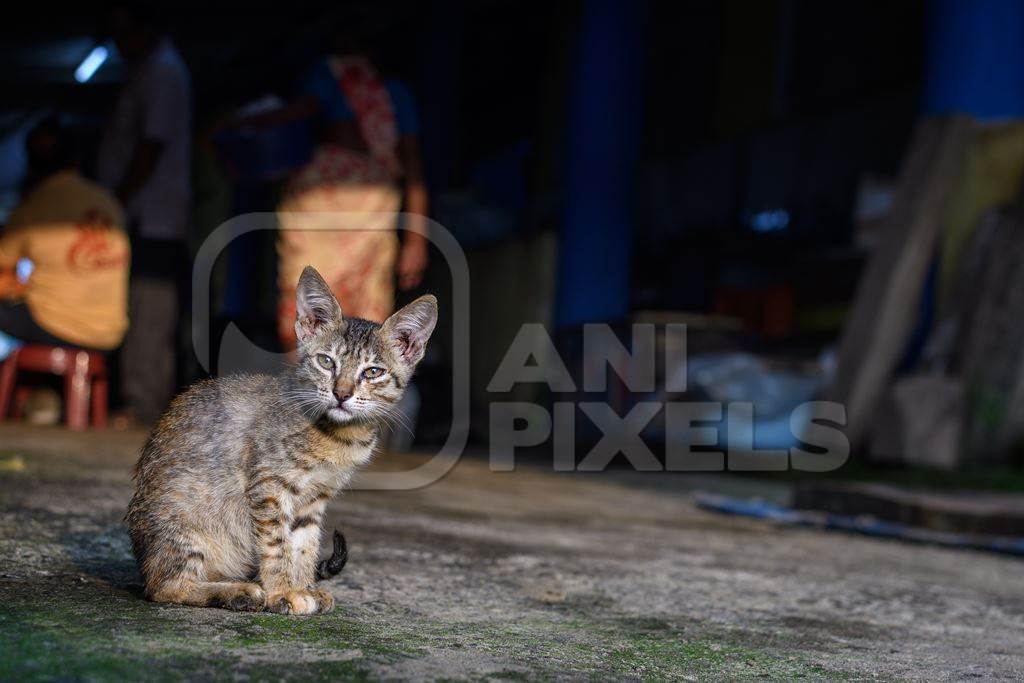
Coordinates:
340	212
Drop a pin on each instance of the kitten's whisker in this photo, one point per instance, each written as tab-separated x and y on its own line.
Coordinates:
391	419
401	419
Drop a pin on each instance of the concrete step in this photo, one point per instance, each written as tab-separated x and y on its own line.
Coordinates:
969	512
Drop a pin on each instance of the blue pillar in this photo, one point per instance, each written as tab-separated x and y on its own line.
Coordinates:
975	58
603	136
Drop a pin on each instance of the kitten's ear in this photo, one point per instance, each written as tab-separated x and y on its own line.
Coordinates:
315	305
409	329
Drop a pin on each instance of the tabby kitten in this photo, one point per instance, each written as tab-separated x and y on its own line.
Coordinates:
231	486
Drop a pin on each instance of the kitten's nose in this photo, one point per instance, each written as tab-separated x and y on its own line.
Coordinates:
343	393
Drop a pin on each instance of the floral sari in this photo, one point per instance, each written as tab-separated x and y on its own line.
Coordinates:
339	213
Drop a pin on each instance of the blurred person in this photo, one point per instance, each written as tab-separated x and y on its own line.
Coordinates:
70	233
144	157
367	162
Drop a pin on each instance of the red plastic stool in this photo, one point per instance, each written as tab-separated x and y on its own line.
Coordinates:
85	380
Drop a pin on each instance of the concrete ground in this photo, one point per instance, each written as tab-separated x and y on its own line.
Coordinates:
491	576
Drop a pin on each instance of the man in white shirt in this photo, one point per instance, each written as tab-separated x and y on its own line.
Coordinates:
144	158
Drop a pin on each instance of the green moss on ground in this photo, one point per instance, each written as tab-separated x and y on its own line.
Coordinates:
93	632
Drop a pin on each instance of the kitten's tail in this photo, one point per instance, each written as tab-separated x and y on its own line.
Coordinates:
333	565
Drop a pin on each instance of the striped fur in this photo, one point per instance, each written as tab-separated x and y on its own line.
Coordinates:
232	485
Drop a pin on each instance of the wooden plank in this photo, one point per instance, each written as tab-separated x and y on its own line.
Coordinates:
885	308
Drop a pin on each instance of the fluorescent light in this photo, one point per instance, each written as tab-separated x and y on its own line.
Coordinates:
770	221
93	61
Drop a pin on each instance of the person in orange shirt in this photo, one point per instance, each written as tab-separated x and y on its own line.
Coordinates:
71	233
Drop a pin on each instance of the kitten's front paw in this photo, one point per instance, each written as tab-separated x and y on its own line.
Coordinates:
324	600
300	602
247	597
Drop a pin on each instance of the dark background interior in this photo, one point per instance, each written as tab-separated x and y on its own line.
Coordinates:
751	111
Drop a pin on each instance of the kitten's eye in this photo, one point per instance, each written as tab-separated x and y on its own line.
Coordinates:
373	373
325	361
